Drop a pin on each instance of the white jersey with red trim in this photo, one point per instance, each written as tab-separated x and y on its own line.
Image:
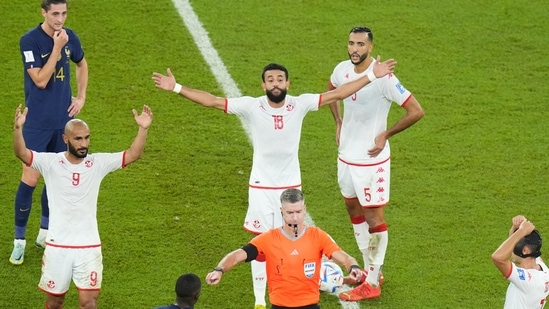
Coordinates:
528	288
72	191
275	134
365	112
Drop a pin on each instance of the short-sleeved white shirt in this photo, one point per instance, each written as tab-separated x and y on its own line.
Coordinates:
275	134
72	191
365	113
528	288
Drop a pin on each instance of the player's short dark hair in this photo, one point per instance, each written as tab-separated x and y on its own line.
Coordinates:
532	241
291	196
46	4
188	285
274	66
362	29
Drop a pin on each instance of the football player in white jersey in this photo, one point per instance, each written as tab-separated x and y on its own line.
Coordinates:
364	154
518	259
73	178
275	122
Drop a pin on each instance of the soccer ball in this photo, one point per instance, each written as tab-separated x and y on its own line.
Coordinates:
331	277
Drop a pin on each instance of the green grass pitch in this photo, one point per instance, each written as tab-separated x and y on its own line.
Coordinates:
479	157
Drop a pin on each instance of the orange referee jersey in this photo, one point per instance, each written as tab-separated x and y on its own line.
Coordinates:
293	264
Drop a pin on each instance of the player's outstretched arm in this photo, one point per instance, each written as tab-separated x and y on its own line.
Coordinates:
168	83
19	147
349	262
144	121
226	263
345	90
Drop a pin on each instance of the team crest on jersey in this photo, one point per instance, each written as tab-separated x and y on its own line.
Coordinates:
257	224
309	269
88	163
67	51
289	107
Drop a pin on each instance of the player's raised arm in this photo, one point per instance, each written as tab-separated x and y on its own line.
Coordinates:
380	69
19	147
136	149
168	83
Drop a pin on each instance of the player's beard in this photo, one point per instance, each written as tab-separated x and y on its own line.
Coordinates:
75	152
360	60
276	98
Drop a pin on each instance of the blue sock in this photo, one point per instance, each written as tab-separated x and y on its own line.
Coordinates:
45	218
23	204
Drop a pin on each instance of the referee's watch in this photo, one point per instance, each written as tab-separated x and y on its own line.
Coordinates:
219	268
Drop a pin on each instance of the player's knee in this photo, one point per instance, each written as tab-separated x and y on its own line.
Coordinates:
30	177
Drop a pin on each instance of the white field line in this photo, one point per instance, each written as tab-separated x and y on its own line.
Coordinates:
229	86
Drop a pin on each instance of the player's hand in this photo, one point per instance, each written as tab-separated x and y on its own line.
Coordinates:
76	106
60	39
20	117
526	227
356	274
383	68
379	144
214	277
517	220
144	120
164	82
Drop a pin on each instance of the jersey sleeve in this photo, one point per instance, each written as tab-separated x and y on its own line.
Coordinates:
77	52
329	246
519	277
308	102
240	106
393	90
260	241
334	78
109	162
42	160
30	53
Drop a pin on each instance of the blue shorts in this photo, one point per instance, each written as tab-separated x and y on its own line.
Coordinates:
44	140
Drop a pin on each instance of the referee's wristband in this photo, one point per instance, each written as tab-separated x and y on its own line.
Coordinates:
371	76
354	267
178	87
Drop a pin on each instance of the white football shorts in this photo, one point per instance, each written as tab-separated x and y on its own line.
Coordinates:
369	183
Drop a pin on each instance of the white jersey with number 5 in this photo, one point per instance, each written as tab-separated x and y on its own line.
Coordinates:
365	113
72	194
528	288
275	134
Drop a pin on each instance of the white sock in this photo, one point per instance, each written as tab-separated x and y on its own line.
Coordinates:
259	277
362	237
42	233
378	248
20	241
